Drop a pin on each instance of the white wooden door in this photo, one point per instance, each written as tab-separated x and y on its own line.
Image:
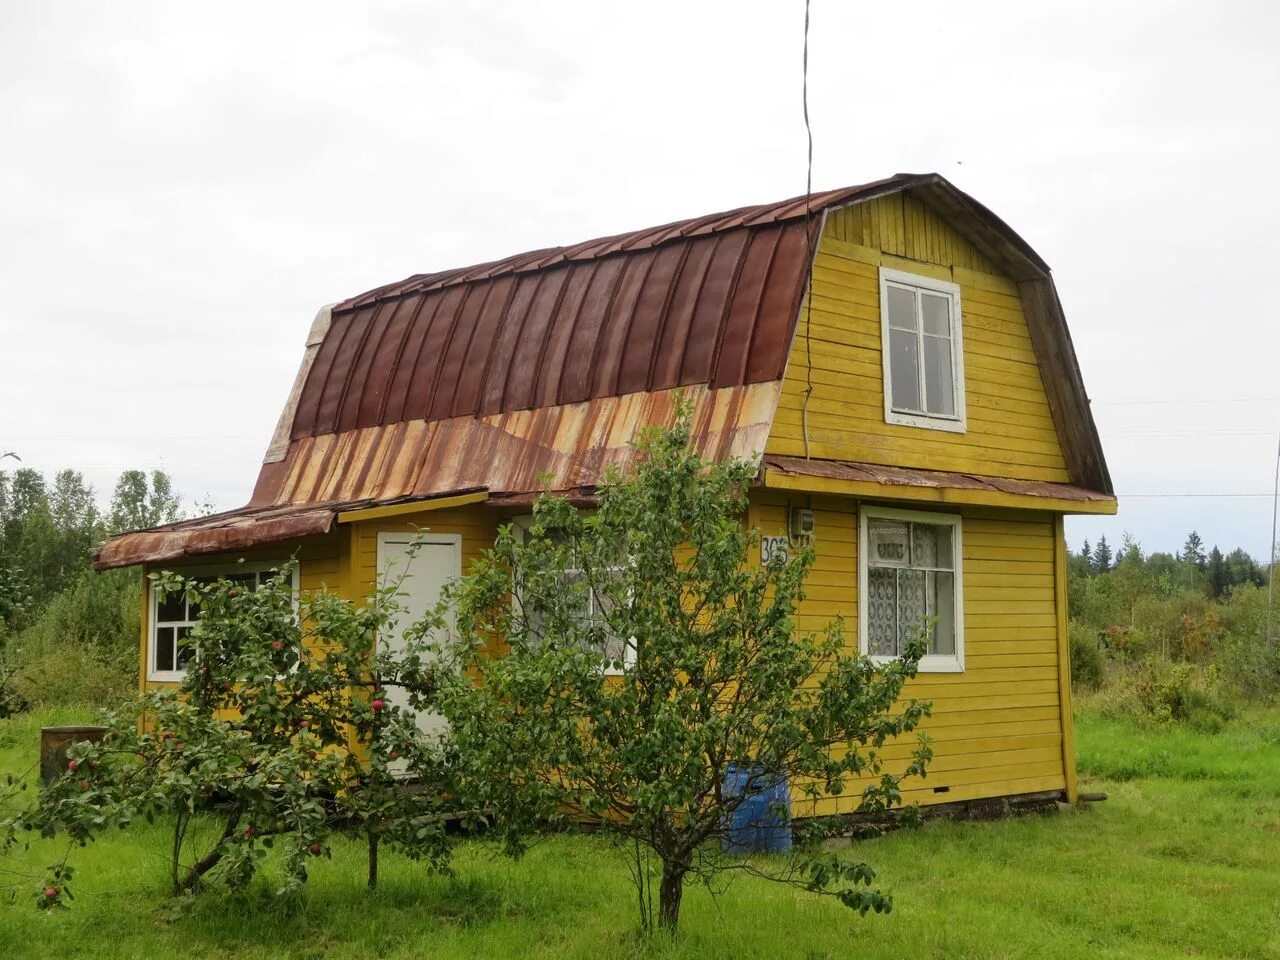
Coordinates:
421	574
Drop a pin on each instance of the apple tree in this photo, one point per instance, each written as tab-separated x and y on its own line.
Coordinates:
648	658
279	734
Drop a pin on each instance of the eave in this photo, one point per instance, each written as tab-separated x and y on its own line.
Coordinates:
867	481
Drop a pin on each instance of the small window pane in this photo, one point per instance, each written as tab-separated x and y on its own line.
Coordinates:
936	312
170	607
902	308
904	370
182	655
881	601
939	384
249	580
888	543
943	609
164	648
913	606
924	545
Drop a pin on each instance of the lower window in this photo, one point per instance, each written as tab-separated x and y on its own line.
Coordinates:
172	618
910	582
617	653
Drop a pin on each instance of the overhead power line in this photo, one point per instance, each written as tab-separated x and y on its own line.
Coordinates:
1173	401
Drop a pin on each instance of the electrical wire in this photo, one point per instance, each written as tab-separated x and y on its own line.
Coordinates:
808	237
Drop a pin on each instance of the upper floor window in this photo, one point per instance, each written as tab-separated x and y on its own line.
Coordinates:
923	352
173	616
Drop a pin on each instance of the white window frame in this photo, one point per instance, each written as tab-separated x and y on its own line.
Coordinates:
930	662
953	424
210	570
629	651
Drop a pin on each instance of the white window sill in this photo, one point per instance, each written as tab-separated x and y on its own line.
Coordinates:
930	663
166	676
928	423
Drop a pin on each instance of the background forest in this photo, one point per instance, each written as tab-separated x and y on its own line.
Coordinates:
69	635
1156	637
1171	638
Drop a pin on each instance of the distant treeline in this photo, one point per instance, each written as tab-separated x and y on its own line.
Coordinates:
1172	637
67	635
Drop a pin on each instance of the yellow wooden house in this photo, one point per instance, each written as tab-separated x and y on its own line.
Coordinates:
892	355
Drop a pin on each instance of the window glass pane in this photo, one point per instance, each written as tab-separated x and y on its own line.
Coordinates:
164	648
943	609
249	580
170	607
945	554
887	543
902	308
881	601
183	651
582	598
936	313
939	385
912	605
924	545
904	370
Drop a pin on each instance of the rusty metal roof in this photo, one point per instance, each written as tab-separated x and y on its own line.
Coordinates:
558	447
546	364
709	300
222	532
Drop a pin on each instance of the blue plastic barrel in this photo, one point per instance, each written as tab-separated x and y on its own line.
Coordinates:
761	823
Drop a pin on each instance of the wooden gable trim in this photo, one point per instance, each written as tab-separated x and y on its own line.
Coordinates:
1046	324
412	506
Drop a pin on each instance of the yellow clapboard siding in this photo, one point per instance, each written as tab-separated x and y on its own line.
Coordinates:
959	741
901	440
1012	786
981	720
998	725
838	352
984	661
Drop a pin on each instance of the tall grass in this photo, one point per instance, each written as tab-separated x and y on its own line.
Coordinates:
1178	862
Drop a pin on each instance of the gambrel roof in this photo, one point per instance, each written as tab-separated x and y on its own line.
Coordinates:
498	376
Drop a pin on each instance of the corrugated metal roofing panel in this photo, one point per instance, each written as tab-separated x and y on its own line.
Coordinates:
568	324
568	446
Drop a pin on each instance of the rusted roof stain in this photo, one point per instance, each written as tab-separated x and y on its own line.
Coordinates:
220	533
564	448
558	447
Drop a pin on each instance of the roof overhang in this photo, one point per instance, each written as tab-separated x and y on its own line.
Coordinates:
255	527
875	482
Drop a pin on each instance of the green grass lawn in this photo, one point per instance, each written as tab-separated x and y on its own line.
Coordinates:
1182	860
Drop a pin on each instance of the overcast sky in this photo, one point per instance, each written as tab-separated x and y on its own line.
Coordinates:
182	185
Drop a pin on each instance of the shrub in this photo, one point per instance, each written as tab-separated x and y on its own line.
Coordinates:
279	730
1127	643
1166	692
43	673
1251	666
1086	658
81	648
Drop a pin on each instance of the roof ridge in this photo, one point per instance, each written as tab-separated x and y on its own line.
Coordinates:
743	217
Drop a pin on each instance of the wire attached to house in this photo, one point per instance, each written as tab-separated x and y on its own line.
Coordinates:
1271	567
808	239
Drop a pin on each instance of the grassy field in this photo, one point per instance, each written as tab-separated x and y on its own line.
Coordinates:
1182	860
